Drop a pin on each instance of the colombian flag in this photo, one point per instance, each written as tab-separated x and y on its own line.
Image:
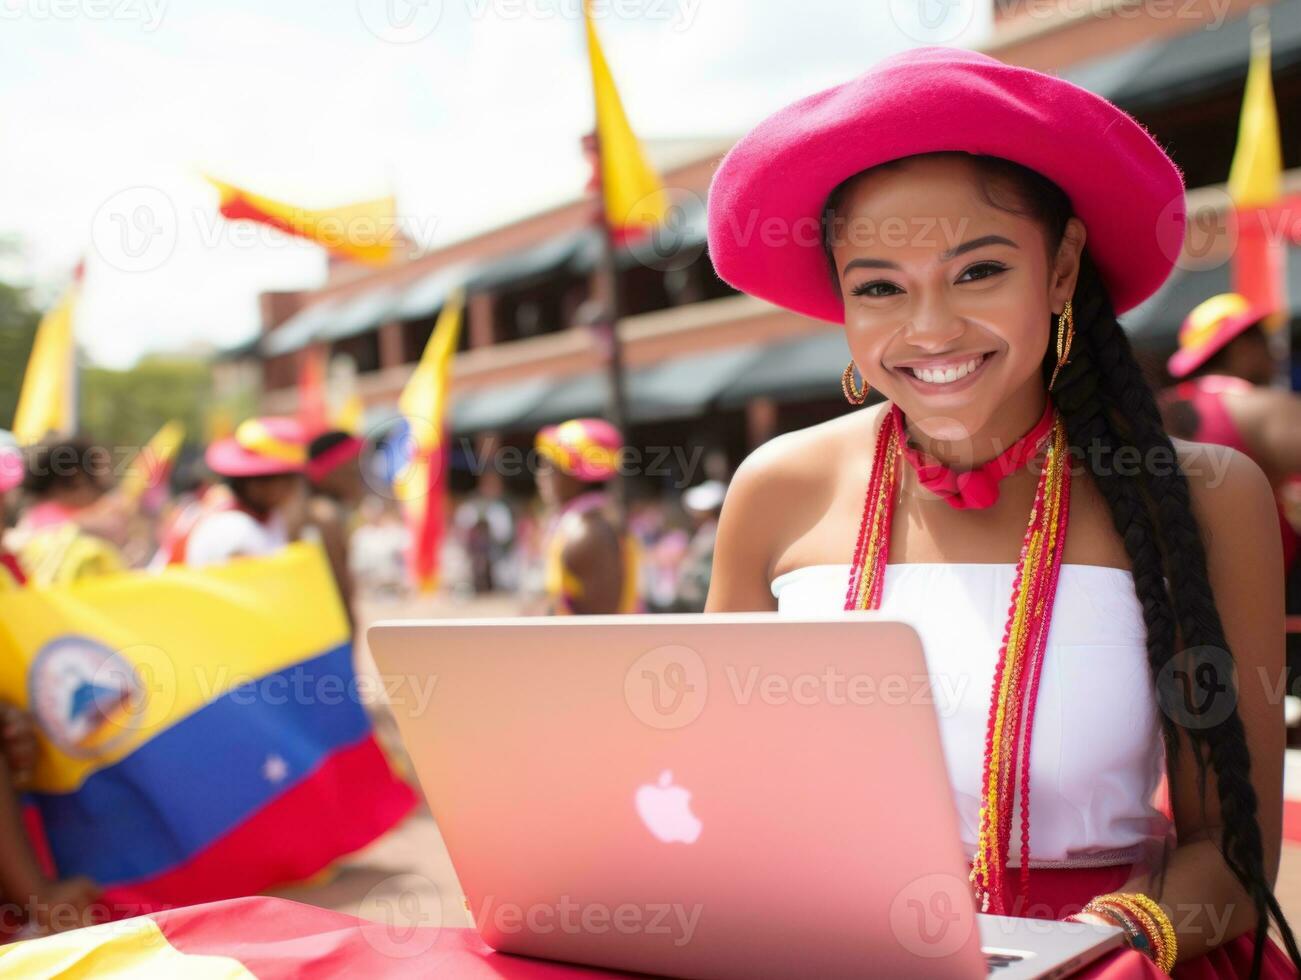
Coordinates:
203	733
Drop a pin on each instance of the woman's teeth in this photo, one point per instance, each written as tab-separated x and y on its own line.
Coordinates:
946	376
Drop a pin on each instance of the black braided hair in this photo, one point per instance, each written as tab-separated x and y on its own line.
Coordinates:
1108	406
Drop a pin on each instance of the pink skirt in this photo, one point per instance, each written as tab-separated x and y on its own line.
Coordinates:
1055	893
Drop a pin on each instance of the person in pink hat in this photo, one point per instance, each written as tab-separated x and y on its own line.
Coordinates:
590	567
1224	395
262	465
976	228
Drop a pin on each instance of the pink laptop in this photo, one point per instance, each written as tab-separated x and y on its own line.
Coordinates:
716	796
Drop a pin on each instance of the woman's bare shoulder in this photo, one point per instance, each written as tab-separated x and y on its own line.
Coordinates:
775	494
1233	502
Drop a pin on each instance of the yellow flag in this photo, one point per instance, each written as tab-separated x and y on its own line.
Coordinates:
154	461
47	401
424	398
364	232
421	484
634	196
350	415
1255	178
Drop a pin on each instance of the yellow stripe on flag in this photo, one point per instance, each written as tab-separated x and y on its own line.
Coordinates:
189	634
424	399
134	949
1255	177
634	196
45	403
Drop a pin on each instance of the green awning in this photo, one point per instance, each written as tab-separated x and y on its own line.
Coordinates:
680	387
1160	73
300	329
357	315
498	407
807	367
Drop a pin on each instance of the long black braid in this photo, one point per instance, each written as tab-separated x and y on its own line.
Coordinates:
1108	406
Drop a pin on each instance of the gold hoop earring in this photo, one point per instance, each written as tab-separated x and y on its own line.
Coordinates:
853	394
1065	335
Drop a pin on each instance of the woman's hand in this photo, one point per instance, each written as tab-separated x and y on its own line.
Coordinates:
18	735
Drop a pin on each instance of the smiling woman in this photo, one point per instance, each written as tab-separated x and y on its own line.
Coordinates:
982	227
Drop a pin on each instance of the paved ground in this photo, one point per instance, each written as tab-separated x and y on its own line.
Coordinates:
407	877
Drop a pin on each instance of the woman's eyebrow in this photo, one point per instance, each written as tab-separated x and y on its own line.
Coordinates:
952	253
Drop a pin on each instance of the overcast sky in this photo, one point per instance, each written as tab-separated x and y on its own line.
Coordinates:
470	111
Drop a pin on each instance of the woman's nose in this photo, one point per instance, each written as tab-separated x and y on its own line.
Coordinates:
934	326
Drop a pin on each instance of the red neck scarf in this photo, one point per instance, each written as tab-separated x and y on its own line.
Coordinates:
976	488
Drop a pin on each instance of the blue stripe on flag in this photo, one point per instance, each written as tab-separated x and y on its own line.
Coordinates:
199	779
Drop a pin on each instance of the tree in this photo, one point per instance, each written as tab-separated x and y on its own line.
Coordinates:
17	330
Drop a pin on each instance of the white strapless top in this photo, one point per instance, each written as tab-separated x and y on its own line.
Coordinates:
1096	756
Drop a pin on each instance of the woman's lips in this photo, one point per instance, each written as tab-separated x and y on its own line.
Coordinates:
947	377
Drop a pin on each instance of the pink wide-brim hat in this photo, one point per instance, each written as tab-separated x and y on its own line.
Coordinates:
587	449
260	447
1209	328
767	195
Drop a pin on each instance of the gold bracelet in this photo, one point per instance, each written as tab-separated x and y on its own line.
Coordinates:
1152	926
1150	917
1163	922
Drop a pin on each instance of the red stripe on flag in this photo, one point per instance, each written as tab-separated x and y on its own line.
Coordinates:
348	802
428	541
239	208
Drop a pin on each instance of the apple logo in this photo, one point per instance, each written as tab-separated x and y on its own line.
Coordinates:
665	809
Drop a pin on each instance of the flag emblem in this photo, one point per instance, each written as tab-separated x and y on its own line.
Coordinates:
84	696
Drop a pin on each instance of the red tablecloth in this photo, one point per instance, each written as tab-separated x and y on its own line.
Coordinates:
282	939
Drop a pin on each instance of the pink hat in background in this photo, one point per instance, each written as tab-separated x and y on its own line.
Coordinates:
587	449
260	447
767	195
12	466
1209	327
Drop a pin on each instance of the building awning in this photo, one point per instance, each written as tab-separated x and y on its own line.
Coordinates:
1161	73
680	387
299	330
426	296
357	315
806	367
498	407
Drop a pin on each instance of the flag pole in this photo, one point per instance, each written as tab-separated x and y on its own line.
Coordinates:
604	322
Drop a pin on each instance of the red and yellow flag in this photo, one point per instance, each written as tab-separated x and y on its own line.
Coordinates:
635	200
364	232
1255	185
47	402
421	484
